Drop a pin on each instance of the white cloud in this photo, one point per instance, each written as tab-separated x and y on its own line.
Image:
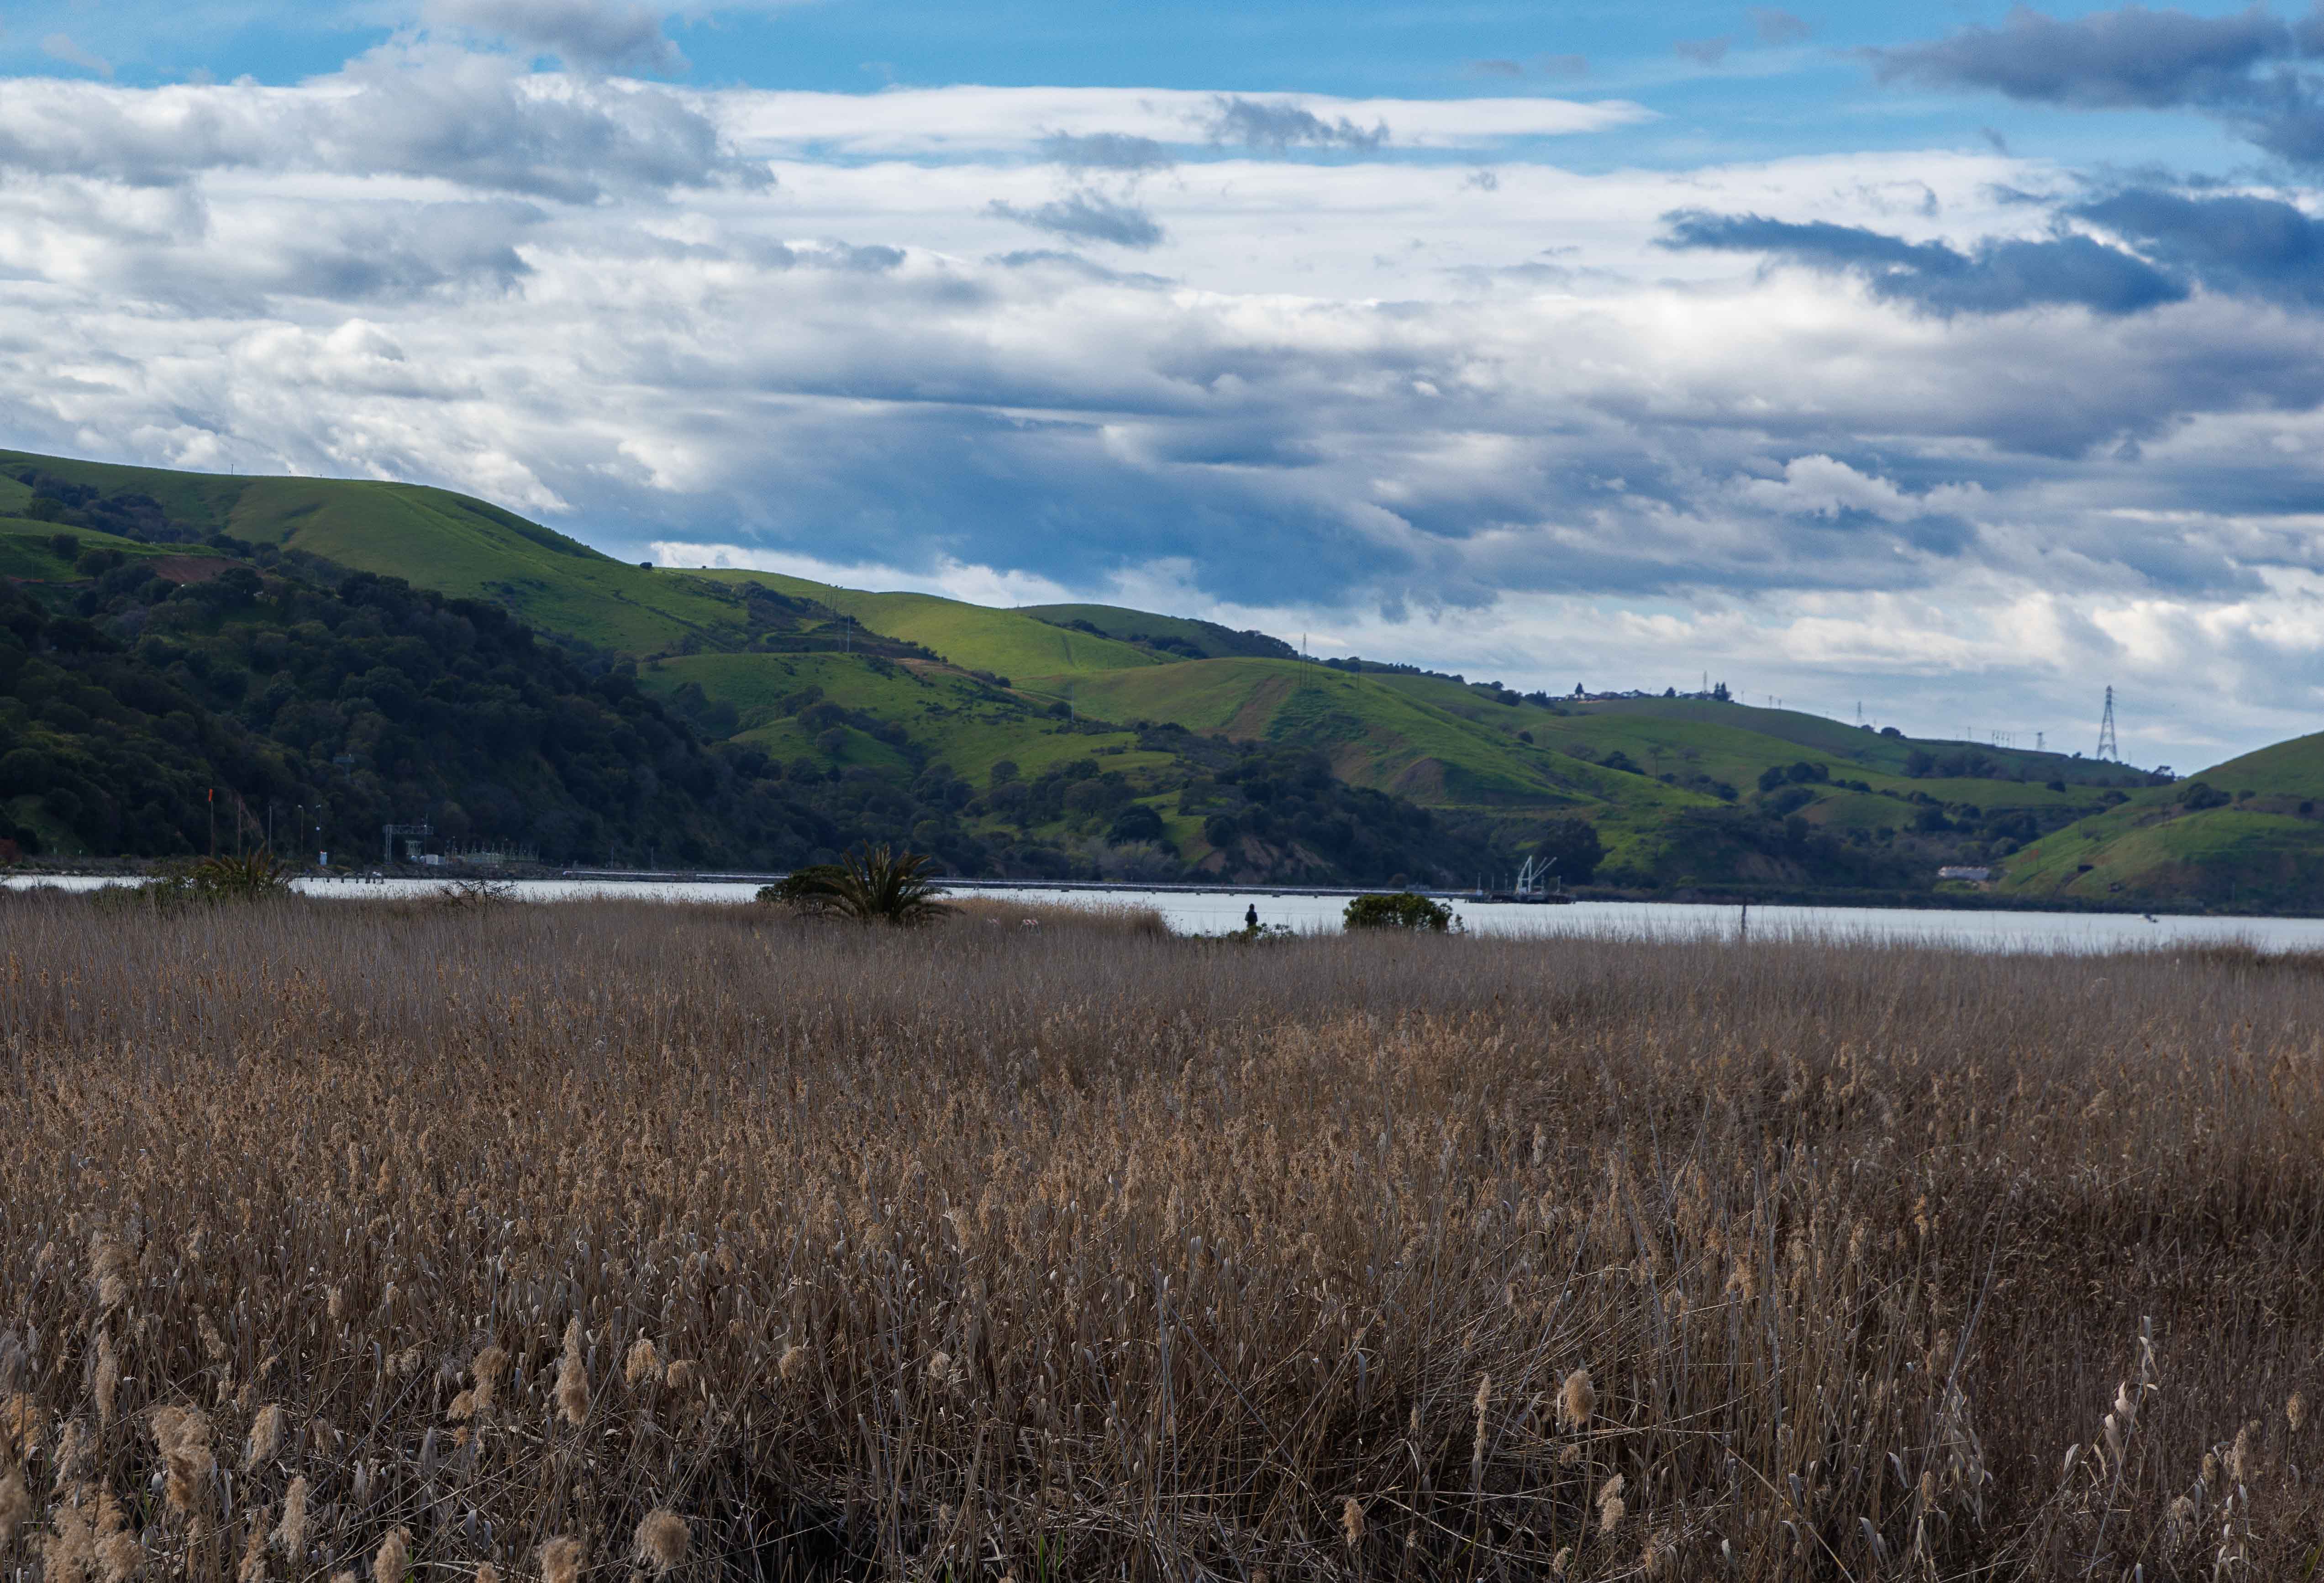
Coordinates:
1500	431
969	120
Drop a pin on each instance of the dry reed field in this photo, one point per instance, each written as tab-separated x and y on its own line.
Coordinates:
611	1240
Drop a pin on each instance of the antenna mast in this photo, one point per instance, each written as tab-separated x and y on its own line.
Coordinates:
2108	747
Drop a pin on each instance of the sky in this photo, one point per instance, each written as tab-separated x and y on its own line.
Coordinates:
1939	366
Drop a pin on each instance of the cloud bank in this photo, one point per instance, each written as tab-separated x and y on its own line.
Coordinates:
1957	425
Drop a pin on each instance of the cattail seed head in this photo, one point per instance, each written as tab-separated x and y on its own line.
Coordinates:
643	1366
684	1375
108	1383
1577	1401
2211	1470
572	1378
2243	1457
2295	1411
118	1553
109	1269
560	1561
1611	1504
394	1556
1352	1521
265	1436
792	1362
15	1505
661	1540
487	1573
253	1569
69	1549
290	1534
182	1435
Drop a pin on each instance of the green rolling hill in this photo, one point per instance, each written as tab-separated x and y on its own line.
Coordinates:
2245	834
1091	738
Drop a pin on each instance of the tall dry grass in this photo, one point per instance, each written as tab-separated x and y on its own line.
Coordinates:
597	1240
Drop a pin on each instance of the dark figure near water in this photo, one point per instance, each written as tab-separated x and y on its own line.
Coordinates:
1250	916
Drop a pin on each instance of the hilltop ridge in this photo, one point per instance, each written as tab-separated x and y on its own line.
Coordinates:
1086	737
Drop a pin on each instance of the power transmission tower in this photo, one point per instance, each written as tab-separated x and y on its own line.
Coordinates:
2108	747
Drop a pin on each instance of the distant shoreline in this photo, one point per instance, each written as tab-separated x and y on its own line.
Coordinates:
1868	901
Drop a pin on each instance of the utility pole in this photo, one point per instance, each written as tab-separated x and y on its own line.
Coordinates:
2108	747
213	803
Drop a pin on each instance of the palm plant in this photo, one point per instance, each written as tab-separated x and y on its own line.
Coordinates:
872	885
252	876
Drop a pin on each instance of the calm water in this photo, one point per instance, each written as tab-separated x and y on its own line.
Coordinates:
1219	911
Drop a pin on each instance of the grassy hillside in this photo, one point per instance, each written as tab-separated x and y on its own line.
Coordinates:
924	711
2245	834
1375	735
1032	653
430	537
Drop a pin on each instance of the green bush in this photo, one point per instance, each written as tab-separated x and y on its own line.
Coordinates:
1405	909
874	885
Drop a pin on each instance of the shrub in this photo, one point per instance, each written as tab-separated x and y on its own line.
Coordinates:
1405	909
872	885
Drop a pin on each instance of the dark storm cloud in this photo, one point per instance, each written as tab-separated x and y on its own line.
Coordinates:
2133	57
1091	215
2251	246
2136	58
1998	277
